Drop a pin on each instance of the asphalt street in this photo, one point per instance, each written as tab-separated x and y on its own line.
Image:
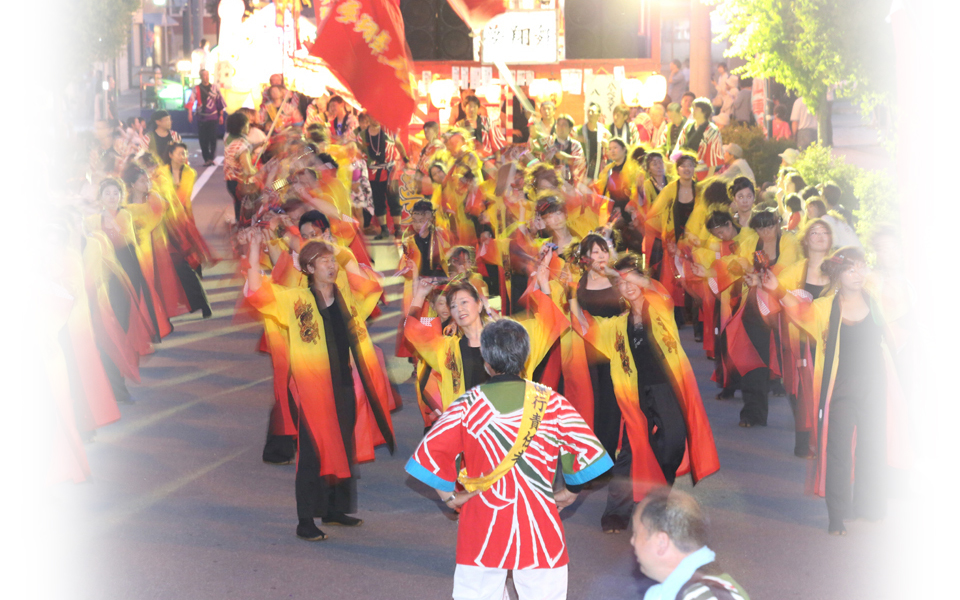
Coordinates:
180	504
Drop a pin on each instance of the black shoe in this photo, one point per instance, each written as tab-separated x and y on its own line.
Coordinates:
613	524
722	396
382	235
279	461
837	529
206	312
308	530
342	519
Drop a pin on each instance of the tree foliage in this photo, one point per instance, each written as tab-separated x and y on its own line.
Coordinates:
871	195
97	30
810	45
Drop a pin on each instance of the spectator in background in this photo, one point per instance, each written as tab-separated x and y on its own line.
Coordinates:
742	109
803	124
736	165
727	86
795	205
788	157
831	195
658	123
566	153
621	128
593	137
544	124
671	132
162	135
676	81
815	209
781	123
686	104
277	80
670	544
237	157
280	108
208	102
702	137
342	125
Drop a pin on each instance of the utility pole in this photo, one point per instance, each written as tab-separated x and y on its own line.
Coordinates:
196	23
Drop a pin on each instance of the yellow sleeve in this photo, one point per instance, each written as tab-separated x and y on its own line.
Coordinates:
545	328
265	301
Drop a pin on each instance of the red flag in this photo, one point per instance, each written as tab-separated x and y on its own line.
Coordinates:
363	43
476	13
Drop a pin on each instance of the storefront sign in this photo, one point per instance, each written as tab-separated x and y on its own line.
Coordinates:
521	37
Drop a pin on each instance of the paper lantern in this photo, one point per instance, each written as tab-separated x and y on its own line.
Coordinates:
490	92
441	92
538	88
632	91
656	88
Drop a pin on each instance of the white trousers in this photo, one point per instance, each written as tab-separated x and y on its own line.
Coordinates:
482	583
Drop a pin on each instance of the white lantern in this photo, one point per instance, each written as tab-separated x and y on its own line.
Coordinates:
538	89
632	91
656	88
490	92
441	92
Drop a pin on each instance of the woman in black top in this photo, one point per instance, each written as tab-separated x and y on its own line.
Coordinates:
597	296
851	391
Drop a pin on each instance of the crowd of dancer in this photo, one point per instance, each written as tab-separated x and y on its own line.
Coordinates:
601	249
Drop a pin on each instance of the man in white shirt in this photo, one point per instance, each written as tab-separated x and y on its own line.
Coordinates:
736	165
804	124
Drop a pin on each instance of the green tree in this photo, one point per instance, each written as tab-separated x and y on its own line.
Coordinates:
96	30
810	45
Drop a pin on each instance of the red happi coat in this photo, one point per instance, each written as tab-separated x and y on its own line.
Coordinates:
515	524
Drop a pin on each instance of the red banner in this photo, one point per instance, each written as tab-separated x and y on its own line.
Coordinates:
476	13
362	41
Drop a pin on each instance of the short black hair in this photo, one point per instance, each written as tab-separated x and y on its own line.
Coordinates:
832	193
794	203
422	206
315	218
648	158
236	122
684	157
589	241
471	99
689	94
715	193
797	181
705	107
719	218
430	124
740	183
328	160
131	173
565	117
549	204
809	192
767	217
619	141
505	346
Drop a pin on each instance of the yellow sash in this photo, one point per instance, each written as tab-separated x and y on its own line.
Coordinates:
535	398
